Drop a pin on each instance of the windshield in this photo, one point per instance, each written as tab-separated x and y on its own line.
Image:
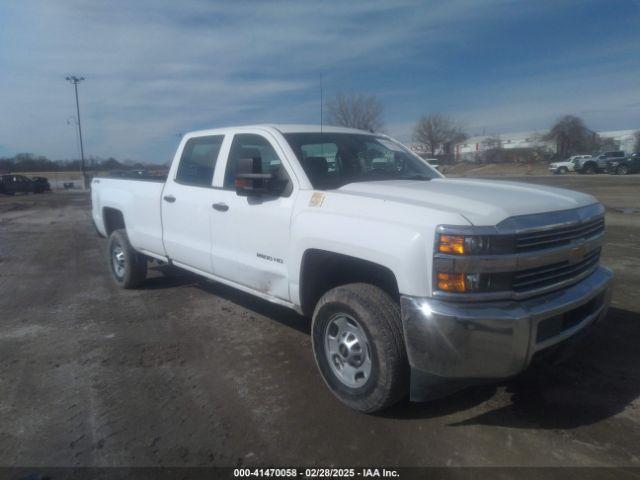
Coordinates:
332	160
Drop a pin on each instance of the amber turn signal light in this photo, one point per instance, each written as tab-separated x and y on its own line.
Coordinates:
451	244
452	282
241	183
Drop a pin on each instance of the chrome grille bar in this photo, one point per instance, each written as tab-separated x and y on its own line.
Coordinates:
535	278
559	236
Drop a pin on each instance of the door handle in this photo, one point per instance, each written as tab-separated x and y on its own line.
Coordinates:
169	198
221	207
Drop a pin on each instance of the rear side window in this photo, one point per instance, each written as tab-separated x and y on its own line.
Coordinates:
198	160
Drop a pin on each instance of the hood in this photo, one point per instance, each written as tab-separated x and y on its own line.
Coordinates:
481	202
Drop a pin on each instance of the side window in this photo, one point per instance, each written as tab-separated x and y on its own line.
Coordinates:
198	160
313	151
249	145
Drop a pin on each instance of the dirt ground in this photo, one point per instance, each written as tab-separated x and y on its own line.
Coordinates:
188	372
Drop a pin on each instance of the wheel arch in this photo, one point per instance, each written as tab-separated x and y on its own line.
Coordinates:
322	270
113	220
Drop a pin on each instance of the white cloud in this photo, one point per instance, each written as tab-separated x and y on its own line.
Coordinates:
154	69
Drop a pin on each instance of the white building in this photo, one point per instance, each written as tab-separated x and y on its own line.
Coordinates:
473	145
624	138
467	150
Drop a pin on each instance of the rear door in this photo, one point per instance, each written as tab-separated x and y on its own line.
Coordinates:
251	234
186	203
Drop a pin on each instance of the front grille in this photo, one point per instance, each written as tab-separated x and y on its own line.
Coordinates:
559	236
540	277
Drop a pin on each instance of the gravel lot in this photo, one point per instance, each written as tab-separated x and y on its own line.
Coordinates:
189	372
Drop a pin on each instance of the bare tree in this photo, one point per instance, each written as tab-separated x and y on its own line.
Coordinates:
438	131
636	141
355	111
607	143
572	136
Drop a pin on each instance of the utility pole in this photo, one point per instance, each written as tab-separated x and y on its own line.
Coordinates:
76	80
321	103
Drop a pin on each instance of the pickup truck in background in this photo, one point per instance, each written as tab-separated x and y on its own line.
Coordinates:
416	284
568	165
598	163
12	184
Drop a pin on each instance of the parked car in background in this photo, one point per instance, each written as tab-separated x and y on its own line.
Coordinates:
599	163
625	166
12	184
40	184
567	165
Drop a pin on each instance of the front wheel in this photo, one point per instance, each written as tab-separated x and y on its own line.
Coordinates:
563	170
359	347
128	267
623	170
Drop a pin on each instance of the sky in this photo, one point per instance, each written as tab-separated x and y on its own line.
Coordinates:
156	69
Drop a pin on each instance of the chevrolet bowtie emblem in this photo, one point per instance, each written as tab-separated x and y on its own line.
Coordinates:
577	253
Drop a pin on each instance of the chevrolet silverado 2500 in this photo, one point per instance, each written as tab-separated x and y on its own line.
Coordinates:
415	283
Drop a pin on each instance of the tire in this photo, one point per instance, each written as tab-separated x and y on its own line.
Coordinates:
363	308
589	169
622	170
128	267
563	170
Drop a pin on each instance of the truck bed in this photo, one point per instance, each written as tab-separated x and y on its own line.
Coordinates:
137	175
139	201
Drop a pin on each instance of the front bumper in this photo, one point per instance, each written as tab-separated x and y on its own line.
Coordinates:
496	340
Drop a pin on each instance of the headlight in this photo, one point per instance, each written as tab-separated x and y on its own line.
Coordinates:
463	244
455	274
463	282
472	282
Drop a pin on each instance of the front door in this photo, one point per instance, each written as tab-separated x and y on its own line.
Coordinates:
251	234
186	204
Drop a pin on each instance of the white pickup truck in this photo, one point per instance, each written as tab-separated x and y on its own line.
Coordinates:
415	283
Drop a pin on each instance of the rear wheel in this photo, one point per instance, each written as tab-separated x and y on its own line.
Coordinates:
359	347
128	267
622	170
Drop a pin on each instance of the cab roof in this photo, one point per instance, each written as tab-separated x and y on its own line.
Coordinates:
286	128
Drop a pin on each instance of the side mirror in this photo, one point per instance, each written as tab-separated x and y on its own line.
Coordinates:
250	181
